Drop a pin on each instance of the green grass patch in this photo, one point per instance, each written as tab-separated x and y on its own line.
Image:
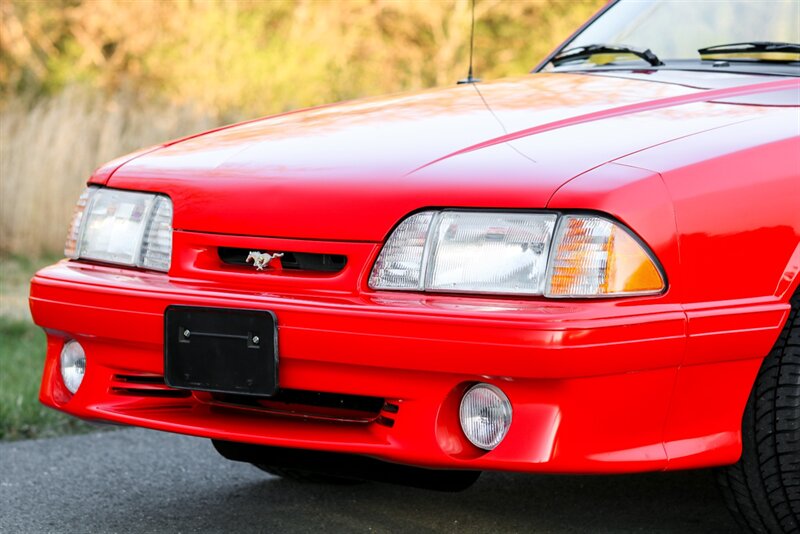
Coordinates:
22	351
15	277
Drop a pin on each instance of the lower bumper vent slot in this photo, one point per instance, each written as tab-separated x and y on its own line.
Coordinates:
161	393
310	404
145	386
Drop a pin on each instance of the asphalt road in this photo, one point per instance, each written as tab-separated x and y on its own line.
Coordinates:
144	481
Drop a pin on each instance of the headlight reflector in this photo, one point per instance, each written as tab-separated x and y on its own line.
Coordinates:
515	253
122	227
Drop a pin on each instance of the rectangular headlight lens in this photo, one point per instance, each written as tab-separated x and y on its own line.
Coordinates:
465	251
123	227
490	252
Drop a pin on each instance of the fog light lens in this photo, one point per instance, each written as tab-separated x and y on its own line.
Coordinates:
73	365
485	415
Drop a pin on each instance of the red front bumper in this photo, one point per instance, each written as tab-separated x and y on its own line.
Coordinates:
602	386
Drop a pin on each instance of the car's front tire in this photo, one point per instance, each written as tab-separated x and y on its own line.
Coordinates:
763	488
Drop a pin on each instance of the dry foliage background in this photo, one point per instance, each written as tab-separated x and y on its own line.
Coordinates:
84	81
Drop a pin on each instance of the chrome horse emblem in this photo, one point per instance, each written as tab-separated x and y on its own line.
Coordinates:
260	260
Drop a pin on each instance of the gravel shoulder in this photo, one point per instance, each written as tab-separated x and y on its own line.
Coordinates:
137	480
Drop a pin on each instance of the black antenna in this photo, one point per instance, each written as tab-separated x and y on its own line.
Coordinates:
469	78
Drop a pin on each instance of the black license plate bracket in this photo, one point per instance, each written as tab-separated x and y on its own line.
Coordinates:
222	350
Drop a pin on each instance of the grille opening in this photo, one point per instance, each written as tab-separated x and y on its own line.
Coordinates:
310	404
293	261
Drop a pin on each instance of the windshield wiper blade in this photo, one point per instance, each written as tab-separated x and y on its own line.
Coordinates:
585	52
750	47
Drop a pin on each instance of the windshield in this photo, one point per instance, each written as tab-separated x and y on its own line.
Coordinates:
676	29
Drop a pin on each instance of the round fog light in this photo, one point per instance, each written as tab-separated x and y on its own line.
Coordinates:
485	415
73	365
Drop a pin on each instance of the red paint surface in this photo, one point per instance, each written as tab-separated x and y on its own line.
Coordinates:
612	385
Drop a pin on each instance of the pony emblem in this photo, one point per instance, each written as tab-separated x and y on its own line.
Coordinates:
261	261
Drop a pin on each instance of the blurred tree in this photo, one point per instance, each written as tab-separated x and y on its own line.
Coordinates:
83	81
266	56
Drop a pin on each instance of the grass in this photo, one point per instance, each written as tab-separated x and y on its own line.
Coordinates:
22	350
15	275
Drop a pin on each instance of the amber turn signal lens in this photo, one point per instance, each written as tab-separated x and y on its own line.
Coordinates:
595	257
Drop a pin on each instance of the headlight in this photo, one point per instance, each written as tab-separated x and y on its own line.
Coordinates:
123	227
515	253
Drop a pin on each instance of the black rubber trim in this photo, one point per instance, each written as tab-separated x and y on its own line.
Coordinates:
313	464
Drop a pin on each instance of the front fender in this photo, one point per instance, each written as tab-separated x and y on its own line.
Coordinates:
639	199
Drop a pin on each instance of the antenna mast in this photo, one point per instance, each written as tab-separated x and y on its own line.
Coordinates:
469	78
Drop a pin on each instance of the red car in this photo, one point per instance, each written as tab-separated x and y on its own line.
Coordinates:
589	269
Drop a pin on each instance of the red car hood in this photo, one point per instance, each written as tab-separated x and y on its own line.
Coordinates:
350	171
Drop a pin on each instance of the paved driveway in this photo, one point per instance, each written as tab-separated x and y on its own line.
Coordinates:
144	481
